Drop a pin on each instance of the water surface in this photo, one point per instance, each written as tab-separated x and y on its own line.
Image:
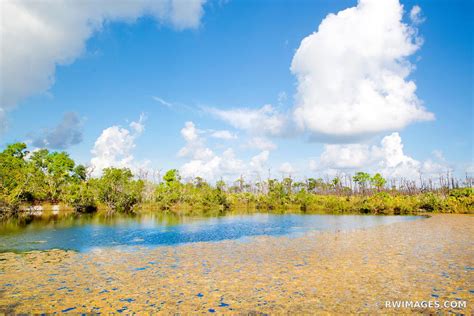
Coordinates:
87	232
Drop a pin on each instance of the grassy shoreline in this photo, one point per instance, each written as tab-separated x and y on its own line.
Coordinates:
382	203
51	178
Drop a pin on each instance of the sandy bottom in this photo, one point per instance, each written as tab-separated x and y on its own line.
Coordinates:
430	260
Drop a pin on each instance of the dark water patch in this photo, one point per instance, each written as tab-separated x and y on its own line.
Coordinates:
92	232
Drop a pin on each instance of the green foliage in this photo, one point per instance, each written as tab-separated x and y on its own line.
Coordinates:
378	181
53	177
362	179
118	191
81	197
171	177
14	179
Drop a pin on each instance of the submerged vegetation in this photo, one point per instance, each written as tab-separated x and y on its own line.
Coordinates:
42	177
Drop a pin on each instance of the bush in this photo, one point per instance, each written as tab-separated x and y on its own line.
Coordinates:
118	191
81	197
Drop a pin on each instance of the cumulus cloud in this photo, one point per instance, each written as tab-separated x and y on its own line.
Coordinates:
67	133
214	167
206	163
194	147
114	147
37	36
352	74
388	158
261	121
203	161
350	156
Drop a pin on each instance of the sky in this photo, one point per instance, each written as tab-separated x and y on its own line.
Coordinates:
220	89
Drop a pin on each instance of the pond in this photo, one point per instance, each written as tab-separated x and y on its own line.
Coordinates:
88	232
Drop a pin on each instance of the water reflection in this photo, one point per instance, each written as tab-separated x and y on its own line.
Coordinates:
85	232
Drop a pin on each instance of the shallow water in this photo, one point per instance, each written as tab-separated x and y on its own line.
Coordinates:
340	273
85	233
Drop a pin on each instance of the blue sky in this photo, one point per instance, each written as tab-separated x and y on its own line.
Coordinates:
237	57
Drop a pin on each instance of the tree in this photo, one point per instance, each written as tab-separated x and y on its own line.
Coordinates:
17	150
58	170
81	197
362	179
171	177
220	185
311	184
80	173
14	178
378	181
288	185
118	191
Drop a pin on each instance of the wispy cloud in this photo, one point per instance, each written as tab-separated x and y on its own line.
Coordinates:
163	102
223	134
262	121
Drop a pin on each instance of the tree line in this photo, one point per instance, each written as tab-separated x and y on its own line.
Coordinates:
31	178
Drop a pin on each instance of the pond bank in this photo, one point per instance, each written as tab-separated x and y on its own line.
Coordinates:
339	272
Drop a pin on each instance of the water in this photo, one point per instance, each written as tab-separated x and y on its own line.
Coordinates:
86	232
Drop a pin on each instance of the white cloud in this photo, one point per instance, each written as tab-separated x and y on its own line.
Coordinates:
261	143
139	126
286	168
194	147
265	120
163	102
223	134
388	158
204	162
37	36
350	156
258	162
230	164
352	74
415	15
201	168
226	166
67	133
114	147
394	163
